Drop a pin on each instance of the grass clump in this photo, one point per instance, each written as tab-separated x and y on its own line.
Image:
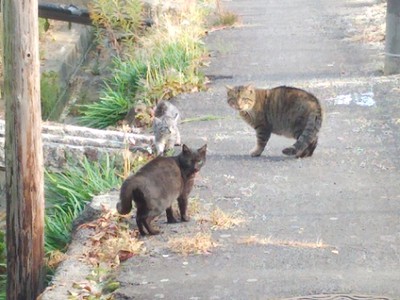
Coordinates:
67	194
226	19
162	63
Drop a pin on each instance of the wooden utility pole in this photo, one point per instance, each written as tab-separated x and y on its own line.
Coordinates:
24	155
392	44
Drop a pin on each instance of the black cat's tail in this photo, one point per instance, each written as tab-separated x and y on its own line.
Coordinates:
309	137
124	206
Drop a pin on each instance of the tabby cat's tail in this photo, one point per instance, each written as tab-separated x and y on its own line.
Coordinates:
309	134
124	206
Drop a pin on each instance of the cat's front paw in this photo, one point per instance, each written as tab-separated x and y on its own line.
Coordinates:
172	220
185	218
256	152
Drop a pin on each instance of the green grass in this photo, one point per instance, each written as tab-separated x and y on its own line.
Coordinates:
68	192
49	92
118	95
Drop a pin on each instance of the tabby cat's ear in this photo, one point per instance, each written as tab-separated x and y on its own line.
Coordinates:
228	87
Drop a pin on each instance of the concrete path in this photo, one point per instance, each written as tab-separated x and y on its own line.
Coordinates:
327	225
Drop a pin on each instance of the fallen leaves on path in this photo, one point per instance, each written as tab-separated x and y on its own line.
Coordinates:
112	241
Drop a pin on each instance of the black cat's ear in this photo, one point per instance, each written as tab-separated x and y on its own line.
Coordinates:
185	149
202	150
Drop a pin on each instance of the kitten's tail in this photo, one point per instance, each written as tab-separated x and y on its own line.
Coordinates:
310	132
124	206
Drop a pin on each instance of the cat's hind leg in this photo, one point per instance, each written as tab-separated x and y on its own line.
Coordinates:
292	150
139	223
263	134
141	215
143	220
147	224
309	151
307	140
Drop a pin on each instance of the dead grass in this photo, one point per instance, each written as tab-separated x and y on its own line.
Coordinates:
201	243
55	258
222	220
256	240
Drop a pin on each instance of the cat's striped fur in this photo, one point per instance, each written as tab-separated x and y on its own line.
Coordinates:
286	111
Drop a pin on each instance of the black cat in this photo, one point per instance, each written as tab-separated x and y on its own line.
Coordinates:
158	183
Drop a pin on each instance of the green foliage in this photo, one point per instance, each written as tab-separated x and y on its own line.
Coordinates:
49	92
174	70
67	194
116	18
117	97
170	69
164	61
111	108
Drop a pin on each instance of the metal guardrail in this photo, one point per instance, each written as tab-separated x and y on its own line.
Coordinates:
67	13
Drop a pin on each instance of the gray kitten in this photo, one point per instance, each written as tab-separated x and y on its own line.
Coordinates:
165	127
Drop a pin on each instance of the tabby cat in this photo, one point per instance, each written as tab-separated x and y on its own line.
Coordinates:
165	127
286	111
158	183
